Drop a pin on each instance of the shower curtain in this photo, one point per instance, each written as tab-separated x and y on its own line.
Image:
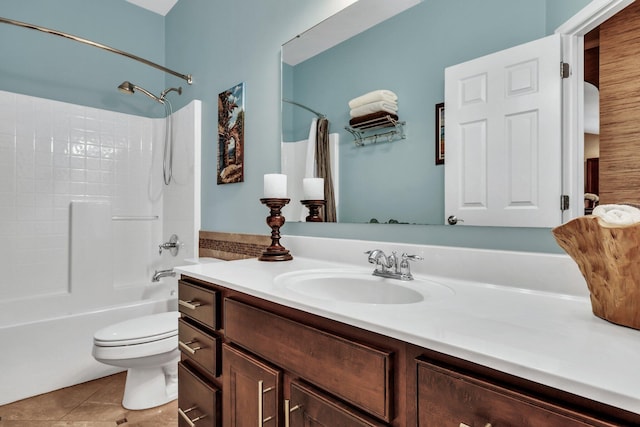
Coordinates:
323	168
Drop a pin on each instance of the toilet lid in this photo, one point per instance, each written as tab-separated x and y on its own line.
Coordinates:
139	330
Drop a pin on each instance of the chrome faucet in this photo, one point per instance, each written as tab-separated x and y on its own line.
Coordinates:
389	267
162	273
173	245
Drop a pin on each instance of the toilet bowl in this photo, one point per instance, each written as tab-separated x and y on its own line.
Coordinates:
148	348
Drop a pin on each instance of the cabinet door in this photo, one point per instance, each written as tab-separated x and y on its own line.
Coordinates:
450	398
252	390
309	408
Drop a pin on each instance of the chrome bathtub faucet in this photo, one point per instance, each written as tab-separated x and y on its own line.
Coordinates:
389	266
163	273
173	245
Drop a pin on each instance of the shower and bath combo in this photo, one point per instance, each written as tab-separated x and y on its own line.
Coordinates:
167	160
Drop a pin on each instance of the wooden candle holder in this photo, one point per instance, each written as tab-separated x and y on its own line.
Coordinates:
314	207
275	220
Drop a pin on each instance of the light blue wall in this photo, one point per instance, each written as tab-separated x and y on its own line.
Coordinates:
558	11
254	31
39	64
221	44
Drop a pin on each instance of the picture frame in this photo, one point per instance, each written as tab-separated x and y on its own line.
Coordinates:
439	135
231	135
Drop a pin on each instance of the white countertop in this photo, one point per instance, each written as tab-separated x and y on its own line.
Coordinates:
551	338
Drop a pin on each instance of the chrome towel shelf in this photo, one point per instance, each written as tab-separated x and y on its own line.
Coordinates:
383	129
134	218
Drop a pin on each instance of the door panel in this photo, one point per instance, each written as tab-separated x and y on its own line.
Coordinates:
503	151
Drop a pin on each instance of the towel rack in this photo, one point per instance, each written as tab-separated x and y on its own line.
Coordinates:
383	129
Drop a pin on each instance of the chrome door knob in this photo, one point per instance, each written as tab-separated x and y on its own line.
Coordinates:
453	220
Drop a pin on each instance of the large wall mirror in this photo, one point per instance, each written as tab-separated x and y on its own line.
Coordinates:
407	52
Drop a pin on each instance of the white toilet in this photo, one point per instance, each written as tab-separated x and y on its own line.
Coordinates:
148	347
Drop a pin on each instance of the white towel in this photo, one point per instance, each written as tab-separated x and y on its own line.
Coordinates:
374	96
374	107
617	214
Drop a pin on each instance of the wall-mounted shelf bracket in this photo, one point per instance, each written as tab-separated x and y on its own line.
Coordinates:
380	130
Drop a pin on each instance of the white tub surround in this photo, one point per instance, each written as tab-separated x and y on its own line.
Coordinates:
83	209
525	314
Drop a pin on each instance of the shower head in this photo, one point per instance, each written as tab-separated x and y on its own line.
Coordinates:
128	87
174	89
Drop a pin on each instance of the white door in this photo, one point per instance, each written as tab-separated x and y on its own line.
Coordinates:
503	137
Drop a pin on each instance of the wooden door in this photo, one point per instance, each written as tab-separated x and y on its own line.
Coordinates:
310	408
504	135
252	390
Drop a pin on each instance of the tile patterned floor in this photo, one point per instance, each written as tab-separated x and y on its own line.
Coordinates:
92	404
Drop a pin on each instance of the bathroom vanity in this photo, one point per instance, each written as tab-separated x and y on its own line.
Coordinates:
258	348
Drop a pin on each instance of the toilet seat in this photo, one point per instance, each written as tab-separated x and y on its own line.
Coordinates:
141	330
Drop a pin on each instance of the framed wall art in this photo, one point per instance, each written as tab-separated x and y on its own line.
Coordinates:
231	135
440	133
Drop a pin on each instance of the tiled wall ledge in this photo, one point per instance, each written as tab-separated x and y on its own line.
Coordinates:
232	246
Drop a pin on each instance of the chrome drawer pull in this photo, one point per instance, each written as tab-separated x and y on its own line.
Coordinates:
191	421
288	410
466	425
190	350
261	392
191	304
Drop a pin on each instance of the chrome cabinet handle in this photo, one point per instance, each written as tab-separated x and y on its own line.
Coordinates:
287	411
191	304
466	425
261	392
191	421
190	350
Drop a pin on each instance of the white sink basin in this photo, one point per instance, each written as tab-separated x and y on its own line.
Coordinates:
358	287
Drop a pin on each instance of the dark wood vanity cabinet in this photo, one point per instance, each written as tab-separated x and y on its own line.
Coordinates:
254	396
265	364
448	397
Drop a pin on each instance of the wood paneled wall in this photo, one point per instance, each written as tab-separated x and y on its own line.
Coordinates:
620	107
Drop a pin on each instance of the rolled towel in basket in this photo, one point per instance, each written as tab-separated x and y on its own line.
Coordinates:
617	214
374	96
374	107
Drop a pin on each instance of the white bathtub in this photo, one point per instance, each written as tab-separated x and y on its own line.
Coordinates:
45	343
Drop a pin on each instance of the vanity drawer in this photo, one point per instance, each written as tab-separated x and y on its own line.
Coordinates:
310	404
200	347
199	304
198	401
357	373
451	398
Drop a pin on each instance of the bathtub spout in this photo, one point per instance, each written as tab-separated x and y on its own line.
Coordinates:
162	273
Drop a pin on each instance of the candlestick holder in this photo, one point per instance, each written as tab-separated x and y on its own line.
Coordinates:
314	209
275	220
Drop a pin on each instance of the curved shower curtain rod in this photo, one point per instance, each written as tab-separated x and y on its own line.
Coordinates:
186	77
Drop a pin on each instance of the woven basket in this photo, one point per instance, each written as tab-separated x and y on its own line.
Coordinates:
609	258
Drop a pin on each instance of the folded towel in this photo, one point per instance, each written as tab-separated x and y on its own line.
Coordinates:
374	107
373	116
617	214
374	96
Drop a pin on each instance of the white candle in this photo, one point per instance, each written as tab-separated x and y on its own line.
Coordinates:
275	186
313	188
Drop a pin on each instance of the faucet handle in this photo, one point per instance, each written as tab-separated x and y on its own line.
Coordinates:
406	257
